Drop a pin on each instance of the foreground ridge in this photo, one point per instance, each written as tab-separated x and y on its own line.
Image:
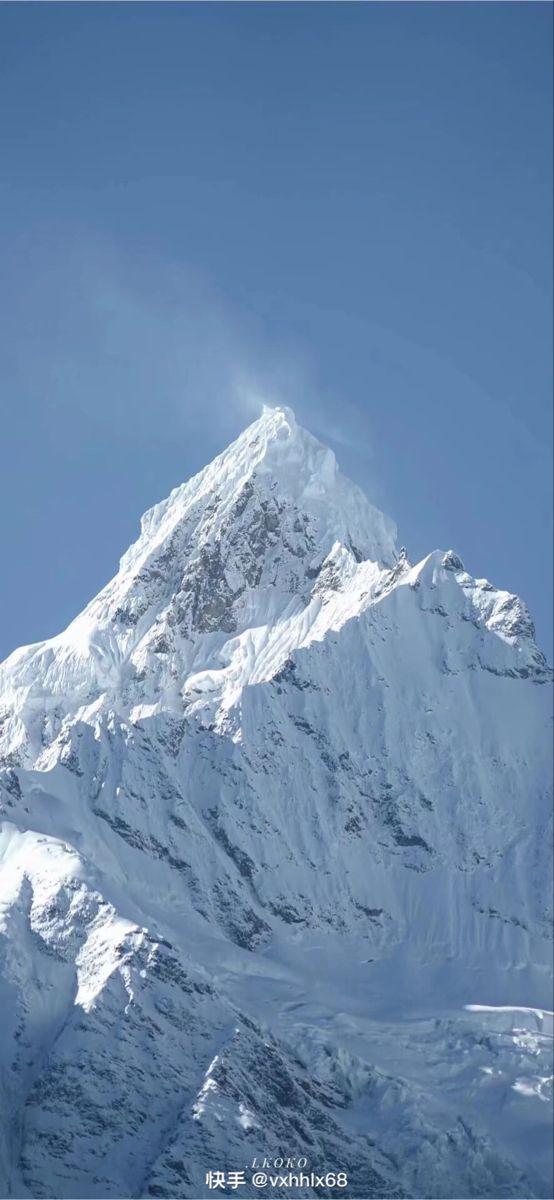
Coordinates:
274	857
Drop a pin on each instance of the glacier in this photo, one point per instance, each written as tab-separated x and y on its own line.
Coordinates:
275	859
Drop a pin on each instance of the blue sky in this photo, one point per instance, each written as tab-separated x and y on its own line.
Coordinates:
343	207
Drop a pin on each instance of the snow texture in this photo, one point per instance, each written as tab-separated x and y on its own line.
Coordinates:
275	858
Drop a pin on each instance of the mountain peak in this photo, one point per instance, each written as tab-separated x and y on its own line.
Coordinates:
276	463
271	792
278	415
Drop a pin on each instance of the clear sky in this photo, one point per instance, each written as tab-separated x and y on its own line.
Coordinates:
342	207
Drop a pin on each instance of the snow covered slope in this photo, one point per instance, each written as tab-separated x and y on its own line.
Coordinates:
274	811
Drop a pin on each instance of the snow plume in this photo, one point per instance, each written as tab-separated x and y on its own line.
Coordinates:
147	346
154	351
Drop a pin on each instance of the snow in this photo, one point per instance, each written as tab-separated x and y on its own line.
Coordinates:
275	857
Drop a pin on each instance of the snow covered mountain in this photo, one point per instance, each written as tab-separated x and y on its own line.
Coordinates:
275	848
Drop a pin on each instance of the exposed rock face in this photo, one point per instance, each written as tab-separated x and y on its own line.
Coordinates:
275	808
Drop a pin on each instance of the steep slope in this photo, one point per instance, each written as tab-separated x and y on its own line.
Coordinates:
274	806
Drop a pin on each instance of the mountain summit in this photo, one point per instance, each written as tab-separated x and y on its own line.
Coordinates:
274	858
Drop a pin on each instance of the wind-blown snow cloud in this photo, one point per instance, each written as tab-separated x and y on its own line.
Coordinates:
147	346
151	350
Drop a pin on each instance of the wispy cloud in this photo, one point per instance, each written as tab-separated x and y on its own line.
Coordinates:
141	346
141	349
